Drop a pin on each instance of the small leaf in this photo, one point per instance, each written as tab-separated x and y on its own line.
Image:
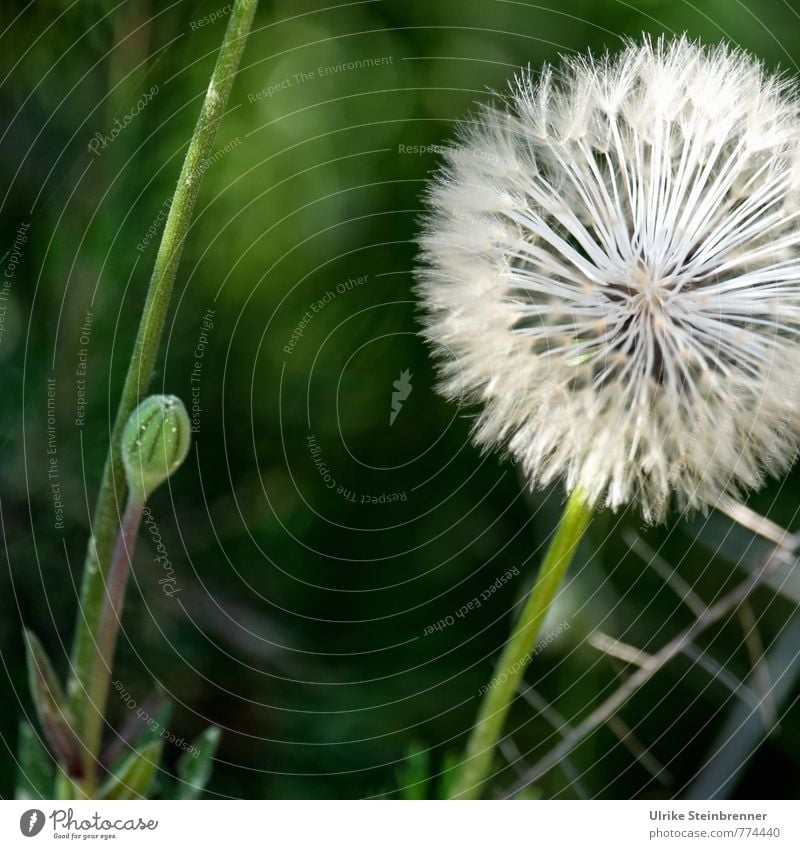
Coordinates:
135	775
195	764
413	774
449	772
156	720
35	766
144	724
48	699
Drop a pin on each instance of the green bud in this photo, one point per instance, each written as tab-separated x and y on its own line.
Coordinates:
155	442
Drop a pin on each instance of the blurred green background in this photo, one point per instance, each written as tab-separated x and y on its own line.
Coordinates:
307	572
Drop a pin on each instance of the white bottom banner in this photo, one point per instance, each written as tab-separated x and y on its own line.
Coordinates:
404	825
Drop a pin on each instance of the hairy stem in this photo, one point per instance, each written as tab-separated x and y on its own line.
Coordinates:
111	496
108	631
516	655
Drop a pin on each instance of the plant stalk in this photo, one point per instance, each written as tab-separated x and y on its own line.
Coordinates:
111	496
517	653
107	634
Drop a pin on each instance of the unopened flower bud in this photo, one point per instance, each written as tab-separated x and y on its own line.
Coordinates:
155	442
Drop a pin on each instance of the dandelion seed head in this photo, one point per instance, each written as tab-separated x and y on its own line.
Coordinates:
611	268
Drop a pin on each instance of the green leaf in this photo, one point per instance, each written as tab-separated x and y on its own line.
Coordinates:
144	724
135	775
66	787
35	766
413	775
195	764
449	773
50	704
157	719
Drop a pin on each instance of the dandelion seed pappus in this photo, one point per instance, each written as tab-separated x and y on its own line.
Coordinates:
611	270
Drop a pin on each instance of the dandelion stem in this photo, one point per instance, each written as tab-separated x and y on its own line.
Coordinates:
112	489
517	653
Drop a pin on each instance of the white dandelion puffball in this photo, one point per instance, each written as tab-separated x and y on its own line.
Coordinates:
611	268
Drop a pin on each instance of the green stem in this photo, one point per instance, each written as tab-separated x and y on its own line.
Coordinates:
112	488
108	632
518	651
